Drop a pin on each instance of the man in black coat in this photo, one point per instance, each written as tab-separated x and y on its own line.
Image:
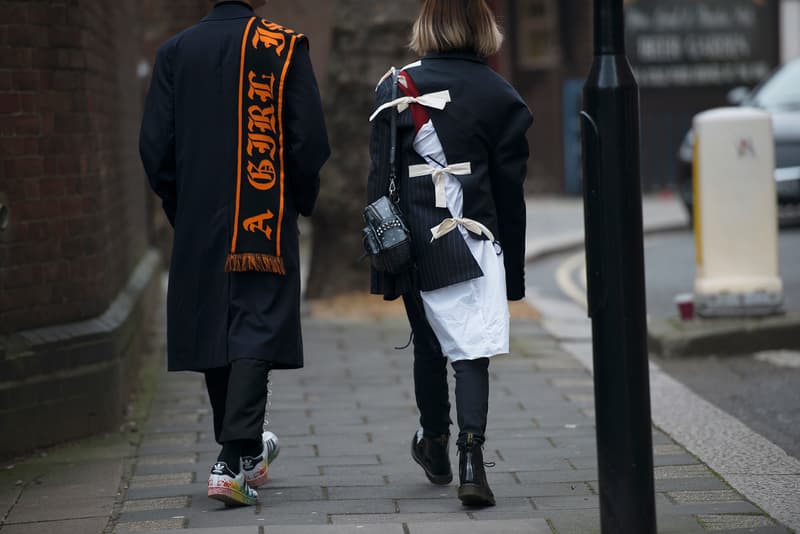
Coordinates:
233	121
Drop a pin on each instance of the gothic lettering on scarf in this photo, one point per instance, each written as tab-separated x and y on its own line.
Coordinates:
261	176
264	89
262	128
262	143
270	39
262	119
271	36
259	224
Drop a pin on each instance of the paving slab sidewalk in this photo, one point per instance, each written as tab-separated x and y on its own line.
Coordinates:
345	422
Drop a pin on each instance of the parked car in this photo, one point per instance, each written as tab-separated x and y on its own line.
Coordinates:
779	95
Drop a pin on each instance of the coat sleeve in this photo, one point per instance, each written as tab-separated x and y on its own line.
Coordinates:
379	140
307	138
508	162
378	179
157	135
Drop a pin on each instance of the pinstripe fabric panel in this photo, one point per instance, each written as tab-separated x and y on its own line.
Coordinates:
447	260
444	262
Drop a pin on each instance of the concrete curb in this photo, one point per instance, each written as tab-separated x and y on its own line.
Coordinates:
672	338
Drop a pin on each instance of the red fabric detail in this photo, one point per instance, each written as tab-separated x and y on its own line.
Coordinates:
418	113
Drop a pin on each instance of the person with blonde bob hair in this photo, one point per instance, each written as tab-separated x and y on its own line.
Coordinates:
456	25
461	161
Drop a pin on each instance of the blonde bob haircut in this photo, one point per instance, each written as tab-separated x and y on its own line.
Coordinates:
445	25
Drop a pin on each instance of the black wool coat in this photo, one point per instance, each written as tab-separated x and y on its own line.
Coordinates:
188	144
484	124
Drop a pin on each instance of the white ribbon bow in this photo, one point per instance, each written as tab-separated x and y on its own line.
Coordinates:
437	173
448	225
437	100
390	72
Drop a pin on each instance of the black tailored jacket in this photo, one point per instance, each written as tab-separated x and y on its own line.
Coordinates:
188	144
484	124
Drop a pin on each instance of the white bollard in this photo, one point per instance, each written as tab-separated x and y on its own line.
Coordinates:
735	214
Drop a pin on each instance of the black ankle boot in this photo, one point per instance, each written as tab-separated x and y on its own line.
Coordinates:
474	489
432	455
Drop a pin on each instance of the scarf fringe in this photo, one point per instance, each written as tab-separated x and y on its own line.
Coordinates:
263	263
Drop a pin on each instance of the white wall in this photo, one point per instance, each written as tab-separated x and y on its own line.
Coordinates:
790	29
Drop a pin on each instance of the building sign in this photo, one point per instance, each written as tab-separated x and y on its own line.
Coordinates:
686	43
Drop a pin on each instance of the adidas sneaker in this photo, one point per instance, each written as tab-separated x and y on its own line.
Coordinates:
256	469
231	489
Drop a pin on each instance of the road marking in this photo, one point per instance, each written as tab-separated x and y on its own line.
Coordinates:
566	281
780	358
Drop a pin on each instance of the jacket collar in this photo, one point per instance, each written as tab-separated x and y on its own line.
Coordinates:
465	54
230	10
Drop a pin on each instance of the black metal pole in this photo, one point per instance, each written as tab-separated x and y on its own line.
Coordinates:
615	276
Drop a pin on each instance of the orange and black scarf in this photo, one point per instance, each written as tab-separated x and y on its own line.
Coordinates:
267	50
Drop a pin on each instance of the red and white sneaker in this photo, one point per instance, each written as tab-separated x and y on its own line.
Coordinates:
256	470
229	488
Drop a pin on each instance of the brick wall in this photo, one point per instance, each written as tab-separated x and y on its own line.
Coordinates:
70	104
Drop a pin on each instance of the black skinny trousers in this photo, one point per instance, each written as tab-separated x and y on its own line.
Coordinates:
238	395
430	382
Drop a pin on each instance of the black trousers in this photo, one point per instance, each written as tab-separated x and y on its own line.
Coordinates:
238	395
430	382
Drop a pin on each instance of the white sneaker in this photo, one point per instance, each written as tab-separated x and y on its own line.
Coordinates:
231	489
256	470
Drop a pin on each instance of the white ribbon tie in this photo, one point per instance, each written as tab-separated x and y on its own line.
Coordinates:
392	69
437	173
437	100
448	225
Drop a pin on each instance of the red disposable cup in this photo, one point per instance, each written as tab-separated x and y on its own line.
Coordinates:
685	303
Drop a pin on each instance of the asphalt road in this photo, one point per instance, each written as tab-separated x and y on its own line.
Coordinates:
762	391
